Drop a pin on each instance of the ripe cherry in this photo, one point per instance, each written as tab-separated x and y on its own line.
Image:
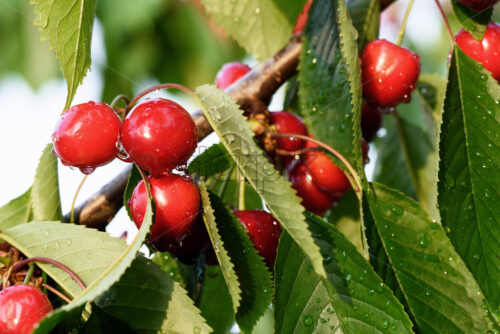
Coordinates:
302	18
389	73
479	5
86	136
487	51
314	199
371	121
159	135
21	308
177	202
286	122
264	231
325	174
230	73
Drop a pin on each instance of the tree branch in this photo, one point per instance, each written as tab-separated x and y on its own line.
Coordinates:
253	91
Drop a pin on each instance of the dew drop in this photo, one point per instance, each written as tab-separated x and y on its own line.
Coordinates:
450	181
257	10
422	241
385	324
308	321
87	170
397	210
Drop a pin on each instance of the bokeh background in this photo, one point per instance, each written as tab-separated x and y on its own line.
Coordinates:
137	44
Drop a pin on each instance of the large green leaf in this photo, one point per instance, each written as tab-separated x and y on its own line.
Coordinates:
291	8
213	160
258	25
365	18
97	258
45	191
474	22
215	305
16	211
352	299
469	177
442	295
149	301
234	132
67	24
330	83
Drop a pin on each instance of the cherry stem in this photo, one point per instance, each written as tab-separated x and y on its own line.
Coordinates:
131	104
29	273
294	153
56	292
55	263
355	181
446	23
72	212
241	195
119	98
225	182
403	24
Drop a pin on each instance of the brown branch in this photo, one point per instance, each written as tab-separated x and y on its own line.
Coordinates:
252	92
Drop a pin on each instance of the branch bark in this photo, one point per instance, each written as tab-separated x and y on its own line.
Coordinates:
252	92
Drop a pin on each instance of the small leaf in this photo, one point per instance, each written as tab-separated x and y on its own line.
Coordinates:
149	301
475	23
258	25
212	161
68	27
352	299
225	262
45	191
216	306
365	18
441	293
234	132
469	177
253	276
16	211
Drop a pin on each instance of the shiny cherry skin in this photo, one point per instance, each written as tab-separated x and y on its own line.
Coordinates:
314	199
487	51
301	22
21	308
177	202
479	5
371	121
194	243
230	73
286	122
264	232
389	73
159	135
86	136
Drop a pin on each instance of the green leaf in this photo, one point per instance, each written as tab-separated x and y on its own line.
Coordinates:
330	81
475	23
469	177
225	262
365	18
352	299
16	211
231	194
442	295
216	306
234	132
102	323
257	25
168	264
212	161
149	301
291	8
45	191
253	276
68	27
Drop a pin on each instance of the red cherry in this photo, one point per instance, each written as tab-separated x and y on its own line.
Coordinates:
86	135
487	51
478	5
371	121
264	231
302	18
389	73
21	308
177	202
326	175
230	73
159	135
286	122
196	241
313	199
